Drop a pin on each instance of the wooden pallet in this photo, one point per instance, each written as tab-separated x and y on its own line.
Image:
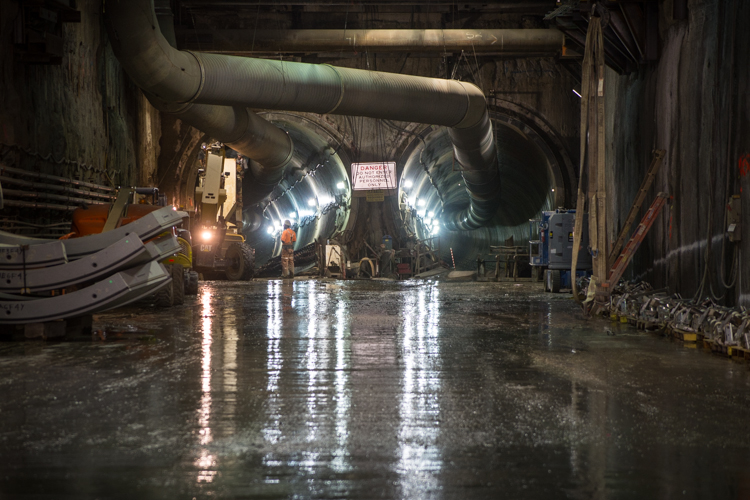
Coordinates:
690	339
730	351
684	335
738	353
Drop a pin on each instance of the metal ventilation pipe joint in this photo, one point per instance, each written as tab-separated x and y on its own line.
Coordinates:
238	127
187	77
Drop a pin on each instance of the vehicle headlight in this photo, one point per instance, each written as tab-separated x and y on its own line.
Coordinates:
207	235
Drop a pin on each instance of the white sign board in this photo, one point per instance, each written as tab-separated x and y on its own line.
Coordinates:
376	175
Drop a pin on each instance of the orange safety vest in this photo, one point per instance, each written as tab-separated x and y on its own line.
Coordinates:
288	236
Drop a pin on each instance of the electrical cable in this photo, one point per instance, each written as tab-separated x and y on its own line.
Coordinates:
735	268
50	157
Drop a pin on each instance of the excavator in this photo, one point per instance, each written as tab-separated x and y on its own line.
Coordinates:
220	250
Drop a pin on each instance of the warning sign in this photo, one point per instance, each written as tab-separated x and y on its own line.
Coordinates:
377	175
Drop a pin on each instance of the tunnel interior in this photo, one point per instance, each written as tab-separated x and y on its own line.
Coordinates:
431	185
314	194
132	370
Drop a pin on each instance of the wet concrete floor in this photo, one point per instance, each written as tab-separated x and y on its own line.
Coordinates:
315	389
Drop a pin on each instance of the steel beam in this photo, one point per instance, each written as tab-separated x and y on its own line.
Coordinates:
113	291
20	251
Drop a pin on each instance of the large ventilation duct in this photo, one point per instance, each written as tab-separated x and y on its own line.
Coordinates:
243	131
238	127
505	41
187	77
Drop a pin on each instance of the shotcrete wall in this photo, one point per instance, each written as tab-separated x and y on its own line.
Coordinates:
695	105
83	118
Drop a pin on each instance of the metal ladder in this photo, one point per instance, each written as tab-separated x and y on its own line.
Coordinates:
635	241
637	203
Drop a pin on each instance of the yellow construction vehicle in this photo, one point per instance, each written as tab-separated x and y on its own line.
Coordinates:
219	250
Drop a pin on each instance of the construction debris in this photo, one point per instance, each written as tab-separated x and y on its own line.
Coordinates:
720	328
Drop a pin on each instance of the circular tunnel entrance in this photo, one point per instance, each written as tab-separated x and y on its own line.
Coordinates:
431	186
314	194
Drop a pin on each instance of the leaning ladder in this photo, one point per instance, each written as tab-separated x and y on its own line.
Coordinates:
637	203
635	241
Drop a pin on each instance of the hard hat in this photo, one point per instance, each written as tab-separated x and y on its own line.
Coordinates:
287	223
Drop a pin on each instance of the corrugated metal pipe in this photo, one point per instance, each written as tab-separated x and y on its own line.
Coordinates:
187	77
504	41
237	127
241	129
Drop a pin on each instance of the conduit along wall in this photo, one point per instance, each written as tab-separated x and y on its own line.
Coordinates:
174	76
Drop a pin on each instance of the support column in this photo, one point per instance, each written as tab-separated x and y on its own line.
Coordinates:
592	185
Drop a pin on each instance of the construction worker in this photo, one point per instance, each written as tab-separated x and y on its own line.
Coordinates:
288	237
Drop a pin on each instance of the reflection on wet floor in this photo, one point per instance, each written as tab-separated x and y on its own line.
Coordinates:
420	459
313	389
206	462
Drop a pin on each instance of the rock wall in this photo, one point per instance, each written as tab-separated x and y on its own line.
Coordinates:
694	104
82	119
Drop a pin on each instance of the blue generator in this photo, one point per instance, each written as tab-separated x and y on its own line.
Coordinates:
551	249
